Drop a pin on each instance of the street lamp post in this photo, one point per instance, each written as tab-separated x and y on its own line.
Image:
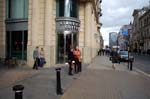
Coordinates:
117	42
128	56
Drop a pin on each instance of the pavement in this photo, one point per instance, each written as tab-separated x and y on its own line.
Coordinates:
100	81
97	81
39	84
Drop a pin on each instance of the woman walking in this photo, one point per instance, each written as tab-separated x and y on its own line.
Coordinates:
114	56
42	57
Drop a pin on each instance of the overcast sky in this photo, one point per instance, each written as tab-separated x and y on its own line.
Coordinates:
117	13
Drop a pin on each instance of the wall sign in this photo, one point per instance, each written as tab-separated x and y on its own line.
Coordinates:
67	24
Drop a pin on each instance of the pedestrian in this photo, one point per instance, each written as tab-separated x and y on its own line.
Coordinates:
77	56
36	58
42	57
71	61
99	52
108	51
80	63
114	58
103	51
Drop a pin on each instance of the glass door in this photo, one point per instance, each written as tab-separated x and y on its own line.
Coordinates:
65	42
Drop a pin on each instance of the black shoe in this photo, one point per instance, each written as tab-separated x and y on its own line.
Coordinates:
70	74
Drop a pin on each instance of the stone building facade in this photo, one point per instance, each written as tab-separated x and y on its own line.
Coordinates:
145	32
140	30
25	24
136	29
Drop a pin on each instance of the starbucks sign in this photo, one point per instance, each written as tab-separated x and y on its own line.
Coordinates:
67	24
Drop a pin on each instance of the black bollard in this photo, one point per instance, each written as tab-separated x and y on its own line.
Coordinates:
58	79
131	65
128	64
18	91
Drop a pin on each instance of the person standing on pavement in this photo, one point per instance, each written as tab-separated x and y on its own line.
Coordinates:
36	58
77	56
42	57
71	61
114	56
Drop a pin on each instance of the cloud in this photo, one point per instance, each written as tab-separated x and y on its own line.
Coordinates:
117	13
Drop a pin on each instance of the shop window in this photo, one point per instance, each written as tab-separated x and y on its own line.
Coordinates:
16	9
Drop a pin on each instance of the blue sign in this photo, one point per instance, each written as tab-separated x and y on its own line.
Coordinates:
124	32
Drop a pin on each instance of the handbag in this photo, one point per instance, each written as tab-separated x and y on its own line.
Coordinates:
44	62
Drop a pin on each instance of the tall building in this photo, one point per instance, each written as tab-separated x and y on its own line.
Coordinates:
124	36
54	25
113	39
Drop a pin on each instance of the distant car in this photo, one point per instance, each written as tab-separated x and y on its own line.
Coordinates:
123	56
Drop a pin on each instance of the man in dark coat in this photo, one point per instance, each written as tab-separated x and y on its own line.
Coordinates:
36	58
70	61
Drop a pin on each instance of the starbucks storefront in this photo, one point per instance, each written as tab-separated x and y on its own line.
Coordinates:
67	27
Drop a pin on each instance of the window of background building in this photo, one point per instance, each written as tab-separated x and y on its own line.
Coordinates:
147	21
144	22
16	9
148	31
71	8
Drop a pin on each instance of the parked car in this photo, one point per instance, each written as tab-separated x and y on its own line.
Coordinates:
123	56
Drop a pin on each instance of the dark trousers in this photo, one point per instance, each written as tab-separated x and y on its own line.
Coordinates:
36	62
70	68
80	67
77	65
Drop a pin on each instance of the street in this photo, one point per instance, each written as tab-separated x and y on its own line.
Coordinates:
141	62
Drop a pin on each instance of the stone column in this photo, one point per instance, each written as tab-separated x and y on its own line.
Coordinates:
41	24
33	30
87	43
35	27
2	29
35	22
48	31
92	35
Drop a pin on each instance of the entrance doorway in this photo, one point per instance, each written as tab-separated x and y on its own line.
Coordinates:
64	43
16	44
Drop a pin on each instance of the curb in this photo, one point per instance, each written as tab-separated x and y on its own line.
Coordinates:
141	72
